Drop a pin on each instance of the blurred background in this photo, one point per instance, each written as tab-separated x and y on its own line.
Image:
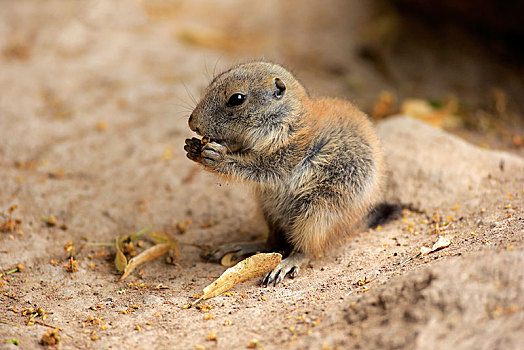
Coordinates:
65	63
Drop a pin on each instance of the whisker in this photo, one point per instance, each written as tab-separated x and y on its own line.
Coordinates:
215	66
208	77
190	94
184	103
185	109
182	115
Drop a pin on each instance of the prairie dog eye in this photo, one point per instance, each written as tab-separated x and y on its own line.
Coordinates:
236	100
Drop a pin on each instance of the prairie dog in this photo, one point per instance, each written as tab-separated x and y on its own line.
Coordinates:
314	164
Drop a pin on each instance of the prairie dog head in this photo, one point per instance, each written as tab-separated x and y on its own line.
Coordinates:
251	107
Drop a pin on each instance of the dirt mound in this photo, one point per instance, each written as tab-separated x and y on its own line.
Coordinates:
468	302
430	168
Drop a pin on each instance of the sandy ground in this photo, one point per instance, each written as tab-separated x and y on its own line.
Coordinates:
94	99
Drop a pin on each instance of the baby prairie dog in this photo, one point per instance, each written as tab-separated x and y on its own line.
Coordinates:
314	164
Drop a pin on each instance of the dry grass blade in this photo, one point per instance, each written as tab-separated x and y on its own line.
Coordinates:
248	268
147	255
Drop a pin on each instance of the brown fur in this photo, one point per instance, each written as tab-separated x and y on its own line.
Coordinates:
314	164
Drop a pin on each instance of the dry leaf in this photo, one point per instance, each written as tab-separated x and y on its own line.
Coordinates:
125	245
248	268
437	114
442	242
424	251
120	258
147	255
162	237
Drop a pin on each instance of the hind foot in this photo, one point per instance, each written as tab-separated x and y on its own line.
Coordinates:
239	251
289	266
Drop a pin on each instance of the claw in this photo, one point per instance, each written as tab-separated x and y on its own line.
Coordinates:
279	278
294	272
265	281
289	266
276	276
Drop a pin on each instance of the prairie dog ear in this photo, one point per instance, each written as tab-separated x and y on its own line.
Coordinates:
280	88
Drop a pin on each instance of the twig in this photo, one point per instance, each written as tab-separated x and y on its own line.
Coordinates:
10	296
102	244
47	325
409	259
195	302
9	323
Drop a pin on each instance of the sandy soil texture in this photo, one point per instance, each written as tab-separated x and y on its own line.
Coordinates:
94	100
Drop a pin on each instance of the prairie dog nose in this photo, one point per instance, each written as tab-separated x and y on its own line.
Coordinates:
192	125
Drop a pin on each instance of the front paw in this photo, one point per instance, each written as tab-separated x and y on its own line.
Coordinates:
213	154
193	148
